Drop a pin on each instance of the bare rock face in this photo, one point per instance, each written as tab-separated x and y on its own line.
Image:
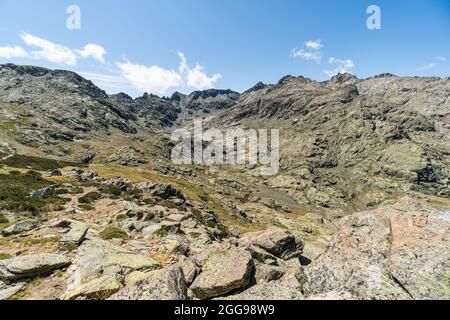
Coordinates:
31	265
19	227
268	291
165	284
278	242
99	268
127	156
6	292
399	251
223	271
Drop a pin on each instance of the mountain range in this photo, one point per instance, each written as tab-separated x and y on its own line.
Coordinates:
359	209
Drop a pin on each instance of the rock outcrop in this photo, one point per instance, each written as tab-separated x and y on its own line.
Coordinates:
399	251
32	265
222	272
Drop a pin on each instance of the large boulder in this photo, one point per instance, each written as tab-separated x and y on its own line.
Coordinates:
223	271
75	231
98	259
162	190
128	156
165	284
19	227
279	242
398	251
44	193
31	265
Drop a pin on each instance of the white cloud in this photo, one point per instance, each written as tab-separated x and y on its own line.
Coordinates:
308	55
433	64
50	51
312	53
427	66
12	52
152	79
94	51
314	45
196	78
342	66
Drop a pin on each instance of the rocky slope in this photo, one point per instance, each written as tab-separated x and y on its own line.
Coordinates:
91	207
353	139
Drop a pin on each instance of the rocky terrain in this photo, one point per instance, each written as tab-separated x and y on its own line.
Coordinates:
91	206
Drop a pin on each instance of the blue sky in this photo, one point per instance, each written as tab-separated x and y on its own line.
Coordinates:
164	46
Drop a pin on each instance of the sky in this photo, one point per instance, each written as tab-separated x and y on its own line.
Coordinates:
164	46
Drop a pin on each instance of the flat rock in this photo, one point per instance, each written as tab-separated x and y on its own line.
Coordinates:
165	284
268	291
97	289
32	265
76	231
223	272
19	227
96	258
6	292
279	242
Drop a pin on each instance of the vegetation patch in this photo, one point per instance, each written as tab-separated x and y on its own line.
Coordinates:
121	217
90	197
86	207
4	256
3	219
113	233
37	163
15	189
38	241
111	190
69	246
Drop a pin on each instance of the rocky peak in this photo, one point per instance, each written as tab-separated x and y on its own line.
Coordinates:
343	78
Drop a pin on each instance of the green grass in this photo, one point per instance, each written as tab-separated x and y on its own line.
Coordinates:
37	163
86	207
90	197
121	217
15	188
111	190
4	256
38	241
3	219
113	233
69	246
162	233
195	235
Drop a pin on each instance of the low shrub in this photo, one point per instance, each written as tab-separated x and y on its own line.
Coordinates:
113	233
90	197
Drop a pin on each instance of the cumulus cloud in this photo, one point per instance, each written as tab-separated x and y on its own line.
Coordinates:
50	51
308	55
12	52
440	58
94	51
312	52
159	81
196	78
152	79
43	49
342	66
314	45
